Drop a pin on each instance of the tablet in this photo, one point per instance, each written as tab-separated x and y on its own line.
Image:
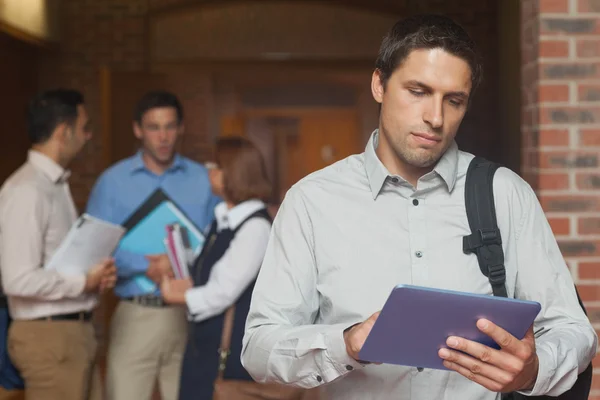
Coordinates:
416	321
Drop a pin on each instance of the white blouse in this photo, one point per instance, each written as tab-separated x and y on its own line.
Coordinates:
238	267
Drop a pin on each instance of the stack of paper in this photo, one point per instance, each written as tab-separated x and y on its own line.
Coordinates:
88	242
180	253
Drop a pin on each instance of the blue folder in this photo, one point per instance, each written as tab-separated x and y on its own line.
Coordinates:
146	231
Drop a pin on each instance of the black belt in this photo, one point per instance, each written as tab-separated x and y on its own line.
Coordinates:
84	316
147	300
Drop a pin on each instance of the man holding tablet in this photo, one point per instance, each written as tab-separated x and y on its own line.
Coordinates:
395	214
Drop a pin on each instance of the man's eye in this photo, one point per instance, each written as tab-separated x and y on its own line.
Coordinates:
417	93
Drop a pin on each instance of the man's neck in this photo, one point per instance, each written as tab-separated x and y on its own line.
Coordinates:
396	166
154	166
51	153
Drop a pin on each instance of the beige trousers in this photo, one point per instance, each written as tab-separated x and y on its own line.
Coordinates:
56	359
146	345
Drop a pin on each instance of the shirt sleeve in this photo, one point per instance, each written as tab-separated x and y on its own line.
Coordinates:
232	274
100	205
282	343
23	221
569	342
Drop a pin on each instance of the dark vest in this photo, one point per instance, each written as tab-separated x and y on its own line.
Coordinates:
201	356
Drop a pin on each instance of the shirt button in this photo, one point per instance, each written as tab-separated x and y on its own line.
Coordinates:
415	202
349	367
420	369
419	254
395	180
319	379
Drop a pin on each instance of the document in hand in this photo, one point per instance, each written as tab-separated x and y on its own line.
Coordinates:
145	231
178	249
415	323
89	241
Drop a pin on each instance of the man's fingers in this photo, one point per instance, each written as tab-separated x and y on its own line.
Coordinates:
504	339
480	379
485	354
477	366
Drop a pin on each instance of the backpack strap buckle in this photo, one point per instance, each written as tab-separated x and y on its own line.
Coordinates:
481	237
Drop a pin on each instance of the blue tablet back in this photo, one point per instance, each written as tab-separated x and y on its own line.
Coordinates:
416	321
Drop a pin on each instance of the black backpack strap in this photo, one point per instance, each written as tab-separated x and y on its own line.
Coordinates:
485	239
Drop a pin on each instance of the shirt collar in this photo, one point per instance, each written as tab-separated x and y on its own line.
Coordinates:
231	218
137	163
48	167
377	173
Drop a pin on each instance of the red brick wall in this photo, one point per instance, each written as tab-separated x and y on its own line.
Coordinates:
561	136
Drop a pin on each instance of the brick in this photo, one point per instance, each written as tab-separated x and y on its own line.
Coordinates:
589	270
553	48
589	181
579	248
593	314
589	137
554	6
553	137
560	226
553	93
588	48
589	292
569	25
550	181
562	159
570	115
569	203
589	92
588	6
588	225
571	70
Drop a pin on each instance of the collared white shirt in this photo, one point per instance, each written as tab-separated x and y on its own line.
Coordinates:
238	267
36	213
346	235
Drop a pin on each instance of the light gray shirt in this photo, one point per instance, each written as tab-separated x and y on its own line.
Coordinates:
346	235
36	213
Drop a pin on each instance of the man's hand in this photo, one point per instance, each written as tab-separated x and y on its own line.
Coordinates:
109	279
173	290
158	267
514	367
356	336
100	276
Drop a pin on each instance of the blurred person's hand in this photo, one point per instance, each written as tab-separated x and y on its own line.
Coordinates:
109	279
158	267
99	274
173	290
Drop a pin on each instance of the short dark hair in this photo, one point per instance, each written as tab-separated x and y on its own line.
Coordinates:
49	109
427	31
157	99
244	171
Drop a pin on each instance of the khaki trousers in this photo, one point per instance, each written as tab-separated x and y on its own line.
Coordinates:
146	344
56	359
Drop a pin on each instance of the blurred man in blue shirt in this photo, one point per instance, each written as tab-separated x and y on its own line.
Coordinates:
147	337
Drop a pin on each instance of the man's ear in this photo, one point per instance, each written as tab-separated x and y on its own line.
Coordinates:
377	87
137	130
61	132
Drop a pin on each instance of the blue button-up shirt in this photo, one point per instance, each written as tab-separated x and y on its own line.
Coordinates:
122	188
